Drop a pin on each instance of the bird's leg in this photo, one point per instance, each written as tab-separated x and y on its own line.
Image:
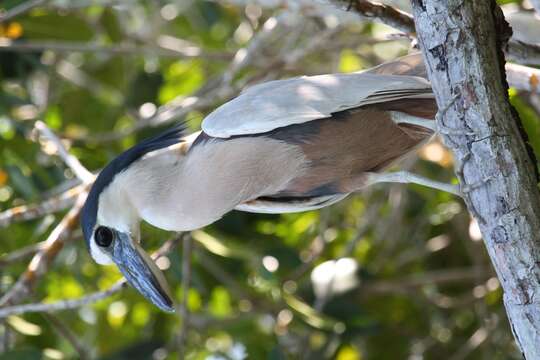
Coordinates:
399	117
405	177
403	118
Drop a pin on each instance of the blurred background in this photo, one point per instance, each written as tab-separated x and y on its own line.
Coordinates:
396	272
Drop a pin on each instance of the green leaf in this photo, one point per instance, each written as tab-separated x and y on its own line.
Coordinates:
50	26
220	302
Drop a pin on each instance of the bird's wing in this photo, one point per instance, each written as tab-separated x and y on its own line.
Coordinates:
280	206
281	103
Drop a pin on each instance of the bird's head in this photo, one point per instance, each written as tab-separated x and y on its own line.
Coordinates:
110	225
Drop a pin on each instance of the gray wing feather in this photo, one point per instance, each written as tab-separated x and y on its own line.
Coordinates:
262	206
268	106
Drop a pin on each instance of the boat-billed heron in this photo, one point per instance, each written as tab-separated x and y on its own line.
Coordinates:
282	146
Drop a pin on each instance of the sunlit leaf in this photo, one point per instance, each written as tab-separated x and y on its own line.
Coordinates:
348	353
349	61
309	314
220	302
181	78
23	327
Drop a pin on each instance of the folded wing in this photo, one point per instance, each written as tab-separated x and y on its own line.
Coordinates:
276	104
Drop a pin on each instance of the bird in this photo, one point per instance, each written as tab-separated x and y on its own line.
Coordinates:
282	146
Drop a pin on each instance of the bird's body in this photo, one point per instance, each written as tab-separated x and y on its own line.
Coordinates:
282	146
287	169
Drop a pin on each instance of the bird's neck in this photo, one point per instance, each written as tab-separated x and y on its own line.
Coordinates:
181	190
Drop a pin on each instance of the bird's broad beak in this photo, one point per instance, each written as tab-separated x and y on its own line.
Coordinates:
141	272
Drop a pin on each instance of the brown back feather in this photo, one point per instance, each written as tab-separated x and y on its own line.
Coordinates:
341	149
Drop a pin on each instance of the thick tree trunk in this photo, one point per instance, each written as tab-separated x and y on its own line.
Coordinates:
461	42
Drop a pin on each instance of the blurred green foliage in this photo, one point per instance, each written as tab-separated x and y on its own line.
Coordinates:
251	294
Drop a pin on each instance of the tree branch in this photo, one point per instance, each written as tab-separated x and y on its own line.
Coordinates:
162	48
71	161
20	254
34	211
62	304
20	9
523	53
382	13
516	50
437	277
461	42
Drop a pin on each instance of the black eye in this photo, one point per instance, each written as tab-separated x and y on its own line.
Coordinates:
104	236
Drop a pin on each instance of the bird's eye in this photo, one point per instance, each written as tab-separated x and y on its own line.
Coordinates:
104	236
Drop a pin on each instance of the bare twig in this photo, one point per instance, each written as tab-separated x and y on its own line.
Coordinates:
71	161
523	53
164	49
383	13
187	49
439	277
476	339
62	304
20	9
20	254
83	79
184	311
168	245
34	211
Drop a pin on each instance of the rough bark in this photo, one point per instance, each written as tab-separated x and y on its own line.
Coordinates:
461	44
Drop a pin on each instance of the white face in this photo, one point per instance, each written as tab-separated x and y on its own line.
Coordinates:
100	244
115	213
99	254
101	240
99	248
